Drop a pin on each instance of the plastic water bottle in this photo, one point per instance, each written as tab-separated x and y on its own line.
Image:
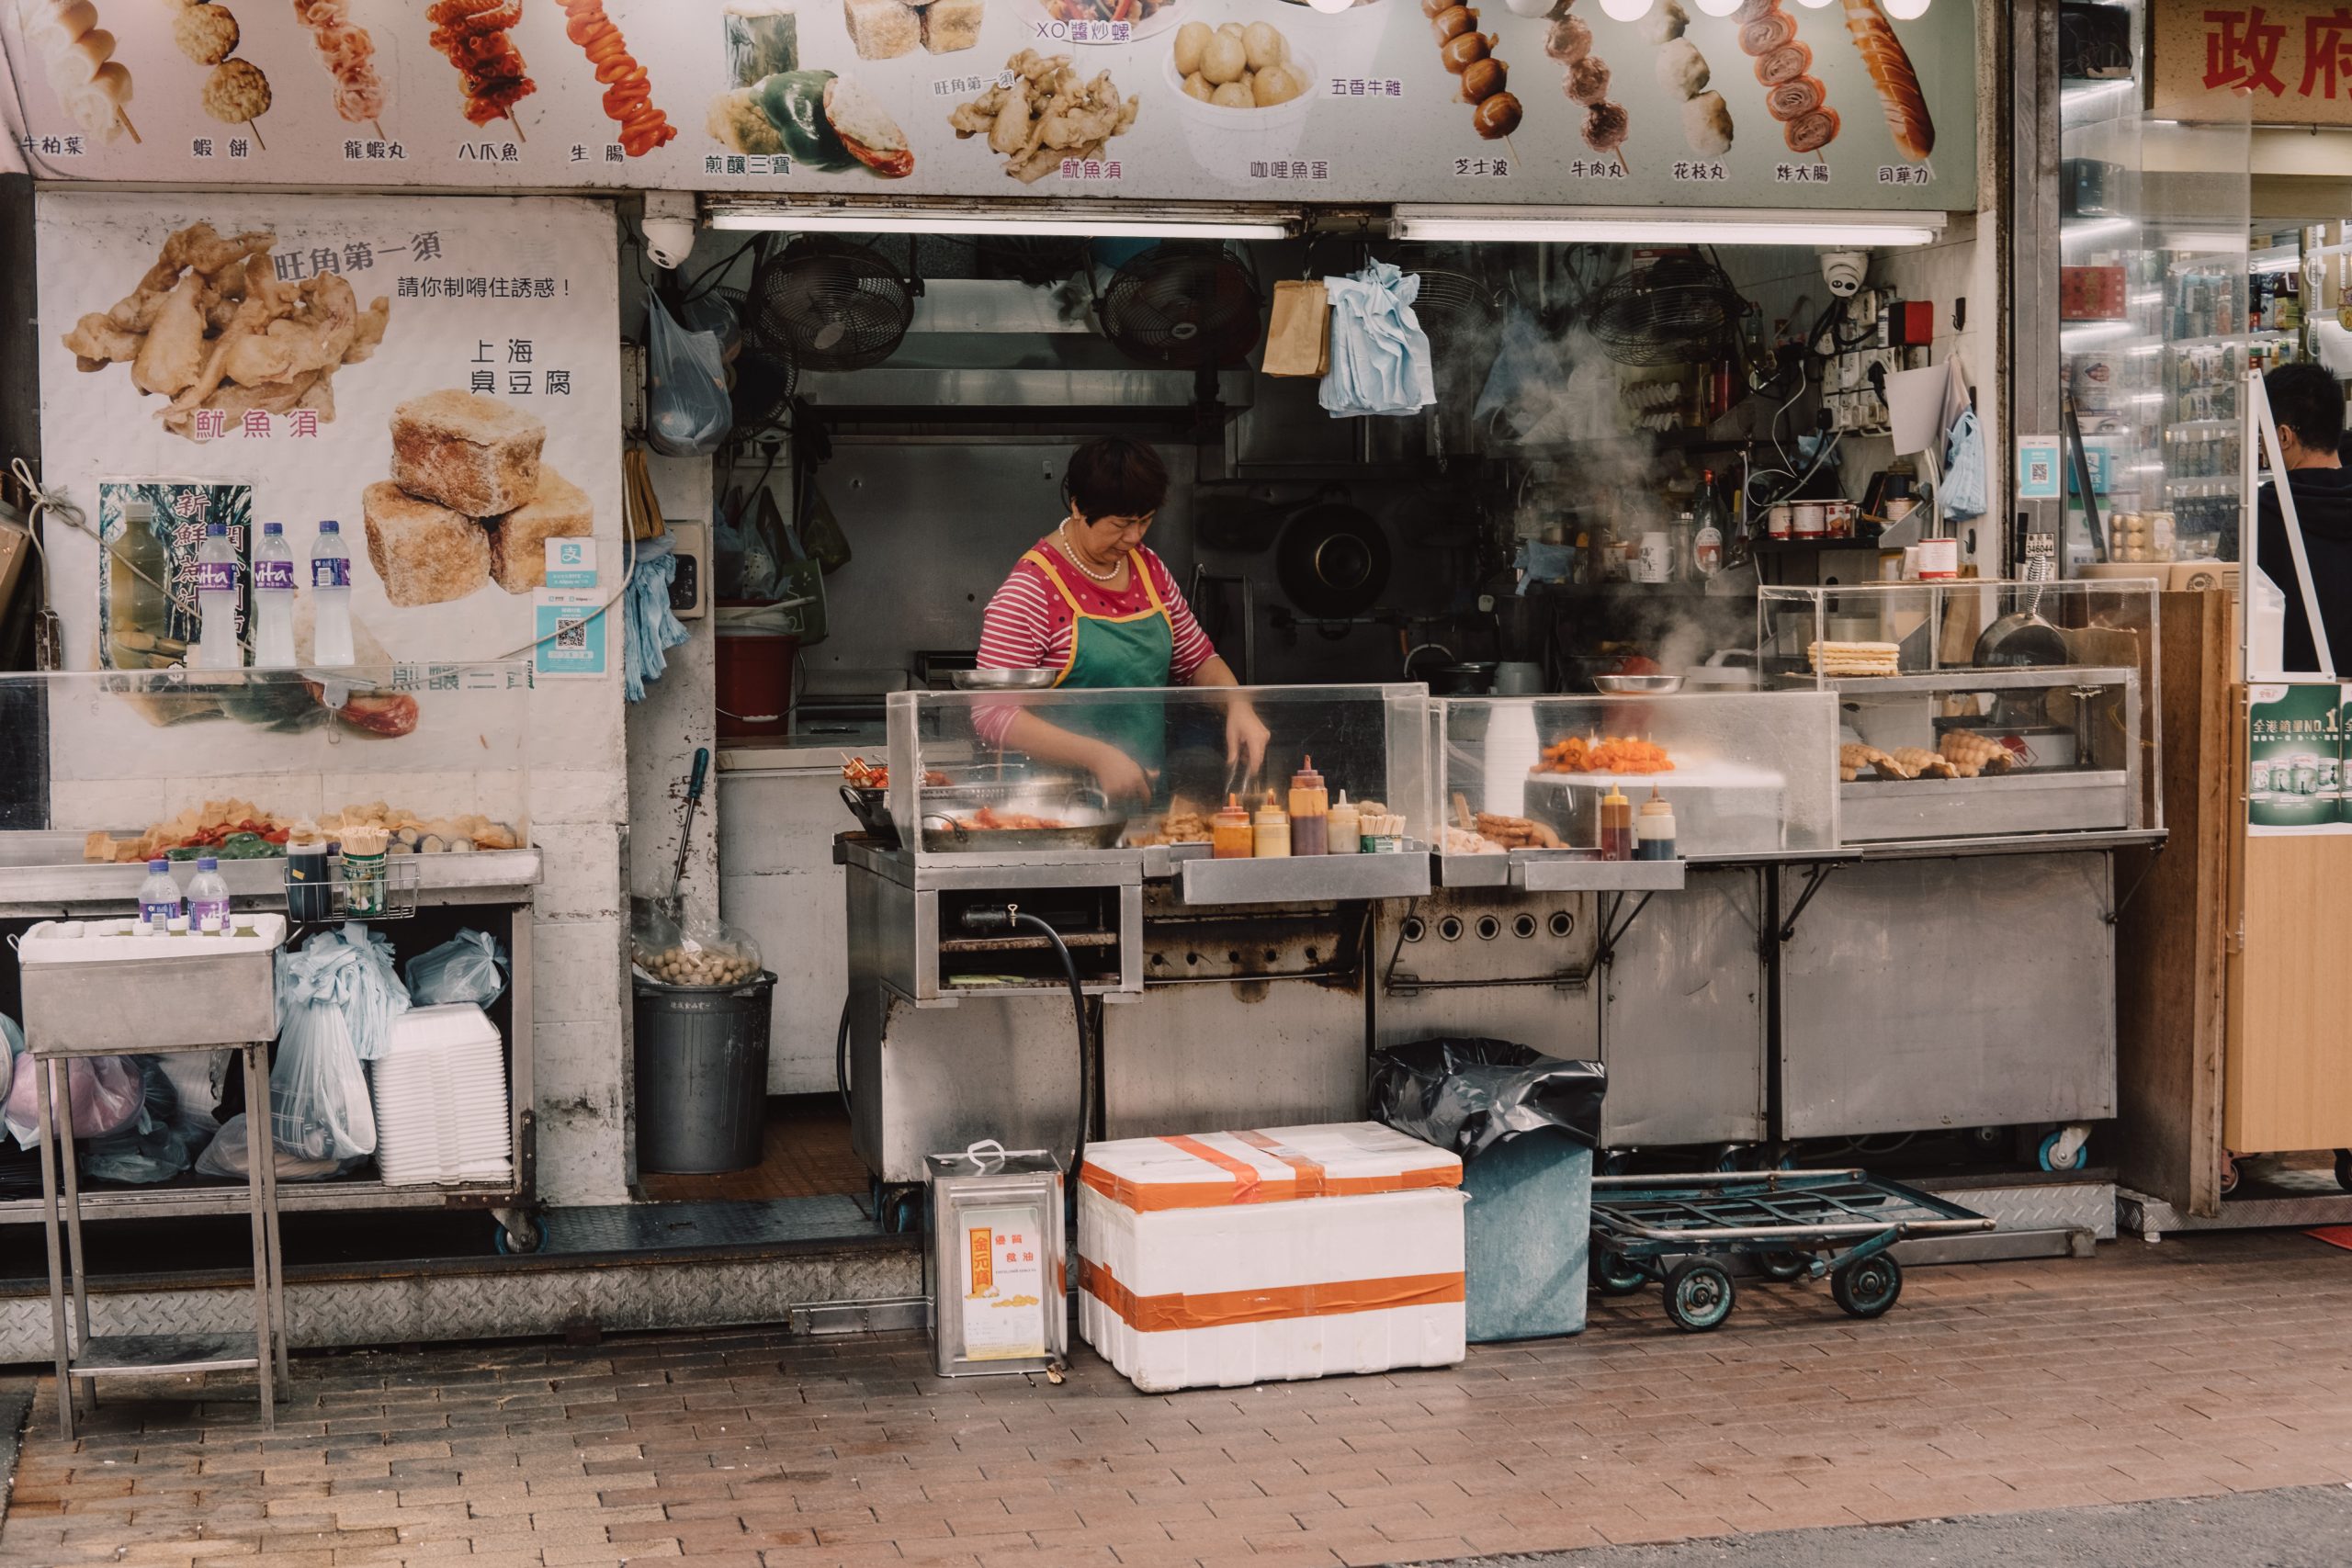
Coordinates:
273	600
159	897
216	601
331	597
207	900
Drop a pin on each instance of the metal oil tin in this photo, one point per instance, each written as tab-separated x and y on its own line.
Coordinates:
999	1300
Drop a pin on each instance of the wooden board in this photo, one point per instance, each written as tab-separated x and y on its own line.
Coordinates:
2289	1074
2170	975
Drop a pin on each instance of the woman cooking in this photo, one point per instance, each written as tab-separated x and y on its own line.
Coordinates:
1092	603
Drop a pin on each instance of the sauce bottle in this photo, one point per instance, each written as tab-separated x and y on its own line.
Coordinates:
1344	830
1310	808
1229	837
1270	833
1654	830
1616	825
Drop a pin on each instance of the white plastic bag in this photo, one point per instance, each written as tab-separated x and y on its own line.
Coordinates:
688	395
352	970
318	1092
225	1157
468	967
1963	489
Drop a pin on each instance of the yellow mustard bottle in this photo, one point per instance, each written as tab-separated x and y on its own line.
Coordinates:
1271	831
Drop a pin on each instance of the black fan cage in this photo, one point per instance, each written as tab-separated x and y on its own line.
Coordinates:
1182	309
1677	310
827	306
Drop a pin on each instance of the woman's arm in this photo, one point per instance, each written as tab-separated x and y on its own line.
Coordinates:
1246	734
1120	776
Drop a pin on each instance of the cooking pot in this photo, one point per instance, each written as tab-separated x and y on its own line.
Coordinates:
1333	560
1472	678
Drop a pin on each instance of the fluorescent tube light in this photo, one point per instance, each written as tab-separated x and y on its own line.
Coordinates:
1045	223
2100	227
1665	226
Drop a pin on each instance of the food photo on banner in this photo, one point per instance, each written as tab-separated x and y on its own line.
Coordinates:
1777	103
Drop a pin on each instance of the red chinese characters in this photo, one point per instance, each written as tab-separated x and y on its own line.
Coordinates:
2242	50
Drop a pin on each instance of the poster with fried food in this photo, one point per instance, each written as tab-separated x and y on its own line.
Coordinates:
436	377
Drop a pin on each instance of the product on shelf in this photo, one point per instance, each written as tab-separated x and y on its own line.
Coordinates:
1609	754
1854	658
239	830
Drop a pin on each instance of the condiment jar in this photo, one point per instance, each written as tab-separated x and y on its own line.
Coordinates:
1616	825
1229	835
1310	807
1345	828
1653	829
1270	832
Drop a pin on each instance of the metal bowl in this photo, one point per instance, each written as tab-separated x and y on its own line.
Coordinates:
1638	685
1004	679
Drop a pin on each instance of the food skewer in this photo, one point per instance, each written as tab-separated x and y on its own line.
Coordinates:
517	125
257	141
124	117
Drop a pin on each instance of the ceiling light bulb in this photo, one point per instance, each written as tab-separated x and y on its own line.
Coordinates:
1815	5
1719	7
1907	10
1332	6
1626	10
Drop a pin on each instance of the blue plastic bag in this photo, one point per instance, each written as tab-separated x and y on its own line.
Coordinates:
1963	487
468	967
652	628
1380	358
351	970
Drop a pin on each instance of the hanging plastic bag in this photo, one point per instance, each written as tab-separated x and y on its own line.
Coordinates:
1381	361
468	967
319	1107
106	1093
1526	382
225	1157
351	970
652	627
1963	486
690	413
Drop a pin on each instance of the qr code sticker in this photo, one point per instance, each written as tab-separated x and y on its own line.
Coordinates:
572	634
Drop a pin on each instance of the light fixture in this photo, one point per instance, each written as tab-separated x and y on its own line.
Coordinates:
1815	5
2077	234
2070	338
1719	7
1625	10
1332	7
1907	10
1045	223
1664	226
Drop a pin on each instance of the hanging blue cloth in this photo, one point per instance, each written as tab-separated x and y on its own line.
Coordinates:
1380	357
649	626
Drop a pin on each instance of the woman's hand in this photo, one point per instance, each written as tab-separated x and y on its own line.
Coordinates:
1119	776
1245	738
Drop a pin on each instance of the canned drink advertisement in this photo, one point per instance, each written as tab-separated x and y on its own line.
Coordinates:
2295	761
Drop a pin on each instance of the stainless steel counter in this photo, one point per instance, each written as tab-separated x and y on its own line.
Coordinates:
38	877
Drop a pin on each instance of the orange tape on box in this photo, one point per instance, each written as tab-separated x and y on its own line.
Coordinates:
1219	1309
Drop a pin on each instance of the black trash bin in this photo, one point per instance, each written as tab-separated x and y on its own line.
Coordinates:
702	1074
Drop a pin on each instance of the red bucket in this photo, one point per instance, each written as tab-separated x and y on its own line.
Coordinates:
754	680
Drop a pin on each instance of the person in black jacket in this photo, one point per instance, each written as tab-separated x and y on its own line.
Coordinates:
2308	404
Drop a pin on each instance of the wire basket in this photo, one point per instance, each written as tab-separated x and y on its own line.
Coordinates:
381	887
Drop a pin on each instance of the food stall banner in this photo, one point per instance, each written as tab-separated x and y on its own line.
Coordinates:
436	375
2292	58
2295	758
1773	105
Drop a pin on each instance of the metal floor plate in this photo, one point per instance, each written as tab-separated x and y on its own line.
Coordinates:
2288	1198
698	1226
2049	1204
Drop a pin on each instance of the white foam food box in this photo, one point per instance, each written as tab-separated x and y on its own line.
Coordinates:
1220	1260
440	1097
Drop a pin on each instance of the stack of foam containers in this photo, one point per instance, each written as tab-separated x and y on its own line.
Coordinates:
1220	1260
441	1104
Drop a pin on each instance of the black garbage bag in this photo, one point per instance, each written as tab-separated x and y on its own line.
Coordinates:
1471	1096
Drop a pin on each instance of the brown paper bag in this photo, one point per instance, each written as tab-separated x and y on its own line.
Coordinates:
1299	334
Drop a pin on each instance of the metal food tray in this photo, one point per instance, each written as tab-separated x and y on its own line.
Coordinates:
1559	870
1305	879
130	1005
1886	810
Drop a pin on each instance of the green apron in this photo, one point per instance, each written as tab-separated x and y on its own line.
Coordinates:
1115	651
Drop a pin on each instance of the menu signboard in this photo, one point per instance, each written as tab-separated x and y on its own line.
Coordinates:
1803	104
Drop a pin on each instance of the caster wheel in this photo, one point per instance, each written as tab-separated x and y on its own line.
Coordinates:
2048	1158
2344	1169
1785	1267
1869	1288
2233	1172
1697	1294
1732	1157
1614	1275
514	1243
1616	1162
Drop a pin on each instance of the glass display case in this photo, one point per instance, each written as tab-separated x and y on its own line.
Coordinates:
1979	710
1043	778
110	768
1522	781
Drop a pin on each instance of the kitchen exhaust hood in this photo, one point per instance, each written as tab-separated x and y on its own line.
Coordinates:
995	351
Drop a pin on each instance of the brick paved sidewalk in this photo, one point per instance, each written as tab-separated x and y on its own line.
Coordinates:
2211	1364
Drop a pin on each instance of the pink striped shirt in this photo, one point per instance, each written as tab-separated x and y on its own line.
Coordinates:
1028	624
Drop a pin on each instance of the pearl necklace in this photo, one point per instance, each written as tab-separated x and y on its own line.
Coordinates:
1061	542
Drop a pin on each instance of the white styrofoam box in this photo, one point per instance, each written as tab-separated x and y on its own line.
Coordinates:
1227	1258
78	941
441	1101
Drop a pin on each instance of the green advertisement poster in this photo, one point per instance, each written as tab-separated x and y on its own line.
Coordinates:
2295	761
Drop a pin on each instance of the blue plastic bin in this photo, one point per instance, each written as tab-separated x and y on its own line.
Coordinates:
1527	1235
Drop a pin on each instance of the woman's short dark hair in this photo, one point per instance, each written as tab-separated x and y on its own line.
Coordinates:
1115	478
2307	399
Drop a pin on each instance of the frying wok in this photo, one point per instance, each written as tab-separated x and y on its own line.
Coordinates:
1087	822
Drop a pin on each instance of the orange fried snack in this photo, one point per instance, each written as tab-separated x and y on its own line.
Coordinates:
1613	754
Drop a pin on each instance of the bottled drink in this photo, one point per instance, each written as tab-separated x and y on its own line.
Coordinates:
1707	542
1681	546
216	601
207	900
331	597
139	605
273	600
159	896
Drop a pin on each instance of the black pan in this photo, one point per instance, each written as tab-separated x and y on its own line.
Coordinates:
1333	560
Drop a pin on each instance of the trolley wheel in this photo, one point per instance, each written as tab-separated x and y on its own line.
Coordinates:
2234	1171
2047	1157
1614	1274
511	1242
1785	1267
2344	1169
1869	1288
1697	1294
1616	1162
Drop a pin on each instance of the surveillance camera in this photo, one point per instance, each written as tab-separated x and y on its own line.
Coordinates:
668	225
1844	271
